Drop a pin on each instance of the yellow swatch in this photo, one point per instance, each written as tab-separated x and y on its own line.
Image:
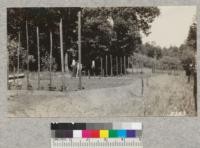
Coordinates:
103	133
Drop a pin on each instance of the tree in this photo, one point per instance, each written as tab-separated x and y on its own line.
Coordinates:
192	37
119	38
188	49
151	50
47	20
99	37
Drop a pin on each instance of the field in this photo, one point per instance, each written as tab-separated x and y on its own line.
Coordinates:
163	95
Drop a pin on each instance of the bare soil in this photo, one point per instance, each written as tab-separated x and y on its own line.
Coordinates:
164	95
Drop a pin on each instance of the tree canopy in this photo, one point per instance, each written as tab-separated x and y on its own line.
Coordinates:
110	30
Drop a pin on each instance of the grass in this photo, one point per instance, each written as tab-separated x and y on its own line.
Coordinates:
164	95
169	95
72	83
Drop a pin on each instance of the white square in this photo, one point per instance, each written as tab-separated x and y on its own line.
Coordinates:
77	133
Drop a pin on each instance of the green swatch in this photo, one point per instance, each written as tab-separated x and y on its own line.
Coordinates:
113	134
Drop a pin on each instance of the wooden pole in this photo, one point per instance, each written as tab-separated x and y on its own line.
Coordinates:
61	54
18	50
111	66
142	89
128	66
8	72
155	54
38	48
124	64
89	74
14	70
132	64
106	66
117	66
142	66
50	68
66	63
195	89
101	67
121	65
27	53
79	48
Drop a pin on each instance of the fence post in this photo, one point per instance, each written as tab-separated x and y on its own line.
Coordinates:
106	66
195	90
14	70
125	65
132	64
142	65
142	91
101	67
111	67
121	65
89	74
50	68
38	48
27	58
61	54
18	52
116	65
66	63
128	66
79	48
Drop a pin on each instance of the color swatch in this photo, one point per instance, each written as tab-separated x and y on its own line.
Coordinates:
96	130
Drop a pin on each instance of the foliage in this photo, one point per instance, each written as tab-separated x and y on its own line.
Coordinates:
169	62
47	19
99	36
143	60
13	48
188	49
151	50
192	37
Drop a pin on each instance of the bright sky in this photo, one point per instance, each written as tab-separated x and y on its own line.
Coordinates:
172	26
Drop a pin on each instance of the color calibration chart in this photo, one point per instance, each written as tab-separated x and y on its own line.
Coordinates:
94	135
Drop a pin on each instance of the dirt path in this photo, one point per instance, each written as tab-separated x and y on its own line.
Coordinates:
164	95
116	101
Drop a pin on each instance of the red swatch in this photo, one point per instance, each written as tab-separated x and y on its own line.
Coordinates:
94	133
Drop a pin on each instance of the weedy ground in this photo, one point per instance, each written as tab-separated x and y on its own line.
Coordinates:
163	95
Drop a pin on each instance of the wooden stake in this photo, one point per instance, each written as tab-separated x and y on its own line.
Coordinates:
101	67
61	46
132	64
121	65
117	66
142	65
89	74
18	52
106	66
50	68
61	54
128	66
38	48
66	63
14	70
124	64
79	48
27	55
111	66
155	54
142	89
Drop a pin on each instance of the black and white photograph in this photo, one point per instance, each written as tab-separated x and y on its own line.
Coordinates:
102	61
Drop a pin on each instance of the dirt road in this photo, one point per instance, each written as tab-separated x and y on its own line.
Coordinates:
164	95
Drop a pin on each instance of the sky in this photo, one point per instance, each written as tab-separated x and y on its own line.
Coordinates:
171	27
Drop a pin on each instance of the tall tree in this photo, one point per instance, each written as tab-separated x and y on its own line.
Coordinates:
119	35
